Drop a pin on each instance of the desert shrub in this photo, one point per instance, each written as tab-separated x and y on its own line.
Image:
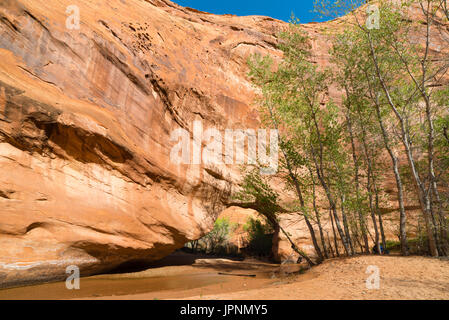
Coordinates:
217	241
219	236
260	237
417	246
393	245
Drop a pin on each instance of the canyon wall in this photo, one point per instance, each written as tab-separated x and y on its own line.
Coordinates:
86	116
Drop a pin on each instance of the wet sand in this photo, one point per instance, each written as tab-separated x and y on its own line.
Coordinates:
187	275
401	278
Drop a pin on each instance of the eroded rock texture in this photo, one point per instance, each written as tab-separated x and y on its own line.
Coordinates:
85	123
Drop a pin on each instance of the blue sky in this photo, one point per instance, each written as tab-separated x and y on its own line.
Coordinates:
279	9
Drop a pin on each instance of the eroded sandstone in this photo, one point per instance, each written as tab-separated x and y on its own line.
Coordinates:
85	123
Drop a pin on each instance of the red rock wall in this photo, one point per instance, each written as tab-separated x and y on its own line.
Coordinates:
85	123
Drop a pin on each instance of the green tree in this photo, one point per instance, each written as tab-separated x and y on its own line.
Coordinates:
293	97
260	236
405	79
219	235
256	193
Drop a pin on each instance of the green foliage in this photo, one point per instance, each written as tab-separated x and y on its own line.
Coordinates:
340	147
336	8
417	245
295	95
442	140
256	189
260	237
216	241
219	235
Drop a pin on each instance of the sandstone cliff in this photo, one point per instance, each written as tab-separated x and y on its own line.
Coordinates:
85	123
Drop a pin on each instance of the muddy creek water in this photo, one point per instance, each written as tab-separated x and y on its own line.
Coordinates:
206	276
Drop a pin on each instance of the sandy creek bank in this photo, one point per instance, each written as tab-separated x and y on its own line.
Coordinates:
183	276
177	276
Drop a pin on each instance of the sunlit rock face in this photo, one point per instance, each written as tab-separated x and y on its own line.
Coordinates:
86	117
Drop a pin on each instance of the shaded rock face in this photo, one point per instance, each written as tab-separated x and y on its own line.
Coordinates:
86	117
239	217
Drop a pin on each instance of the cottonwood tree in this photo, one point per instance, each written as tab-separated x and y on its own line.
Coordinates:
294	102
405	79
394	101
365	127
256	193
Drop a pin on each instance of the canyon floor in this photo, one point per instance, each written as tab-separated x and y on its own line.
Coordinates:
401	278
184	276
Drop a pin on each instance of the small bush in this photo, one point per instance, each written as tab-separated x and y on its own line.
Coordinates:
417	246
217	241
260	237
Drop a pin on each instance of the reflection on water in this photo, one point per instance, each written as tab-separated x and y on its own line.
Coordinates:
171	279
104	286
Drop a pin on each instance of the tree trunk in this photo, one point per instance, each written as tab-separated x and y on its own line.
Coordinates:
296	249
331	250
335	234
345	223
317	214
422	195
395	162
369	184
335	216
320	173
309	225
301	200
379	215
362	219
